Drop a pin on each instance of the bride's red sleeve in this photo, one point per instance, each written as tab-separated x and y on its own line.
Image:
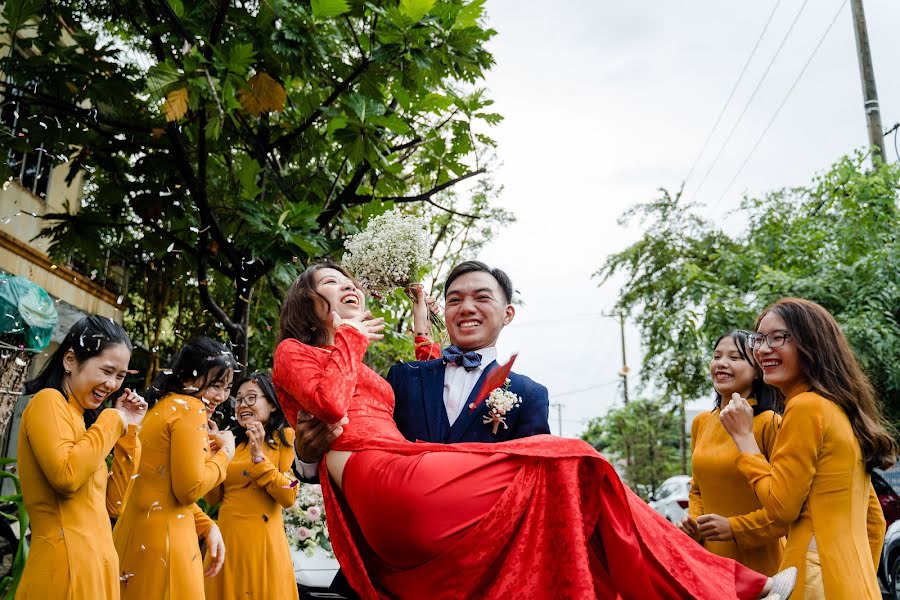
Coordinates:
324	389
426	349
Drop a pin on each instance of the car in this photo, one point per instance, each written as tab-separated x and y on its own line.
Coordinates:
887	497
671	498
889	566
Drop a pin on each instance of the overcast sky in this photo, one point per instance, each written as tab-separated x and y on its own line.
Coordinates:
604	102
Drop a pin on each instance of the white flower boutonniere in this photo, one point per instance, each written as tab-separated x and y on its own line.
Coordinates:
499	403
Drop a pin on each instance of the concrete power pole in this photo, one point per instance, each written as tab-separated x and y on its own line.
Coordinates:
558	406
867	75
624	372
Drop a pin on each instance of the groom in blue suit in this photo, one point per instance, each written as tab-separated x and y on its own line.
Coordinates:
433	397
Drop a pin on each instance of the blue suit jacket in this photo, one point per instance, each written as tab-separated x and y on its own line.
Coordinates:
421	415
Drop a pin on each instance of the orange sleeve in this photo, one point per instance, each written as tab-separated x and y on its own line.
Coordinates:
215	495
324	391
875	525
695	498
426	349
202	521
126	460
757	528
783	486
195	472
68	461
274	478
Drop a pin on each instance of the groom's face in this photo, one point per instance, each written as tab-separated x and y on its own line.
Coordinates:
476	310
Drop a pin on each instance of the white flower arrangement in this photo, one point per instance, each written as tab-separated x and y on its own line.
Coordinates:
499	403
389	253
304	522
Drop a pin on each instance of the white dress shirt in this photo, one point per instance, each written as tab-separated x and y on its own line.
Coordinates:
459	383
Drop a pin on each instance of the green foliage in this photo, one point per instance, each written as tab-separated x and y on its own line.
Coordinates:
10	583
227	145
642	437
834	242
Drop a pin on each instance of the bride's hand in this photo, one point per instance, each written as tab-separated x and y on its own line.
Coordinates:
366	324
422	306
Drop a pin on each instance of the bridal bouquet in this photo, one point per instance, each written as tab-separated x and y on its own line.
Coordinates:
304	522
390	253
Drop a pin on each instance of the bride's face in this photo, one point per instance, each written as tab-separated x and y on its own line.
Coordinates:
341	294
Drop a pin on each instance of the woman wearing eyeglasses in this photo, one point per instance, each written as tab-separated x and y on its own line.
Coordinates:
724	513
256	487
817	480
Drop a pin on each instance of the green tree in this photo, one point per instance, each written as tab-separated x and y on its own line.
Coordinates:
227	144
834	242
647	431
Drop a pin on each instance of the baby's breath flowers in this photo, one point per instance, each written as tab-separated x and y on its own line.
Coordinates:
389	253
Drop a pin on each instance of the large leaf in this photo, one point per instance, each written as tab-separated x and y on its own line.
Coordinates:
176	104
263	95
469	14
329	8
415	9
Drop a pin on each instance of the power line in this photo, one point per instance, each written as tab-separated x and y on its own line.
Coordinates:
733	90
587	389
784	100
752	97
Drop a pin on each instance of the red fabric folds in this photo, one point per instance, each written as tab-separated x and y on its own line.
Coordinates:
563	526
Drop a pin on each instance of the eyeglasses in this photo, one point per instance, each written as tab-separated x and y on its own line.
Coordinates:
248	400
773	340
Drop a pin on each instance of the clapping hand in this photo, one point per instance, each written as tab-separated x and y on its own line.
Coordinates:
690	526
223	441
132	407
366	324
737	419
715	528
256	435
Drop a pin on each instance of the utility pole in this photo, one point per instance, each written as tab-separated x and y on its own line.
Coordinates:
624	372
558	406
867	75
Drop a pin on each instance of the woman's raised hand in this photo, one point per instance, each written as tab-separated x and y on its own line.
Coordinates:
132	407
737	417
256	435
422	306
366	324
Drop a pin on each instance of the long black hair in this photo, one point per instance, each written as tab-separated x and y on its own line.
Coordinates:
87	338
276	423
767	397
201	359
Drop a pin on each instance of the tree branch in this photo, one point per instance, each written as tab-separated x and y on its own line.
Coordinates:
218	22
423	197
287	139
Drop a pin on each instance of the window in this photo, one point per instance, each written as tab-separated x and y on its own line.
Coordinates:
30	168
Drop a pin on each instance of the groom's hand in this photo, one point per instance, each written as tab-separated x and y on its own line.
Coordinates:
313	437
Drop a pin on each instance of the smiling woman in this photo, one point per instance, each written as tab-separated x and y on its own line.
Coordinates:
62	464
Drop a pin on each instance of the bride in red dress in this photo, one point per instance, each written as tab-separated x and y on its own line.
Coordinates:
539	517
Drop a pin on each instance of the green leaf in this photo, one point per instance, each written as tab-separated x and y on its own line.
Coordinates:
240	58
160	76
177	7
469	14
325	9
415	9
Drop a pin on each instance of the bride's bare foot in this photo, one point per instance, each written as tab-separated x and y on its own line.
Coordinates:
781	585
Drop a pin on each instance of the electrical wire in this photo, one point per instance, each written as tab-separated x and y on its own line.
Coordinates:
752	97
733	90
784	100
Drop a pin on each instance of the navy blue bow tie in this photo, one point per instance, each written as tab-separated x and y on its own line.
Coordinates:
466	360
